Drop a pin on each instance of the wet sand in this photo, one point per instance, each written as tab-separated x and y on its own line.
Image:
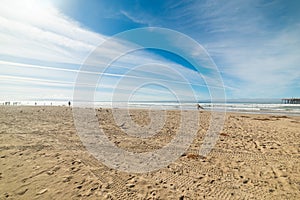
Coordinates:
42	157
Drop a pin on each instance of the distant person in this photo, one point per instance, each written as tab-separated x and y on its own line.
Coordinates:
69	103
35	103
199	107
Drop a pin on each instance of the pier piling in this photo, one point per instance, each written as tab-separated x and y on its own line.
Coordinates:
290	100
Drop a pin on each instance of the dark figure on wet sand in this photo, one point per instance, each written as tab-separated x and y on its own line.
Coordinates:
199	107
69	103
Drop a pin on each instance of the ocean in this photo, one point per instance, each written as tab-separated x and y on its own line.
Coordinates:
241	107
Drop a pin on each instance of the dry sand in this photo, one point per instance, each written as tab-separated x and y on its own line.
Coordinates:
42	157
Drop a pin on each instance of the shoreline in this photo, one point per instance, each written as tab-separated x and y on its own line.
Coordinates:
265	112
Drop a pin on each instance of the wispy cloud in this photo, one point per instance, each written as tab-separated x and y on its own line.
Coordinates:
37	31
135	19
40	32
255	44
257	50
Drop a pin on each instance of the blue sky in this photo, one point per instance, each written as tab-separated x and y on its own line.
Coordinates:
255	45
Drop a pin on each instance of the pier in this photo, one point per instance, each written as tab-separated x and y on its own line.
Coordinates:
291	101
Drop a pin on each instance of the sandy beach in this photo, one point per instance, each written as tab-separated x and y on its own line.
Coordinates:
42	157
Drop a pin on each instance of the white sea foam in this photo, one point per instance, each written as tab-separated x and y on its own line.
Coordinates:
272	108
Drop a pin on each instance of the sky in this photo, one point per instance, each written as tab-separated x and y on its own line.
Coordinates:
254	44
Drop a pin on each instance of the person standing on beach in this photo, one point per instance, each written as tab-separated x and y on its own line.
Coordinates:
199	107
69	103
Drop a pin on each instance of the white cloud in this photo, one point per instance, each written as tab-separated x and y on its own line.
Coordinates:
255	44
256	51
37	31
31	30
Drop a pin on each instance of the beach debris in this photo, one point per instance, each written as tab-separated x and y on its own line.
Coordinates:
42	191
22	191
192	156
123	125
262	119
50	172
67	179
224	134
131	185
